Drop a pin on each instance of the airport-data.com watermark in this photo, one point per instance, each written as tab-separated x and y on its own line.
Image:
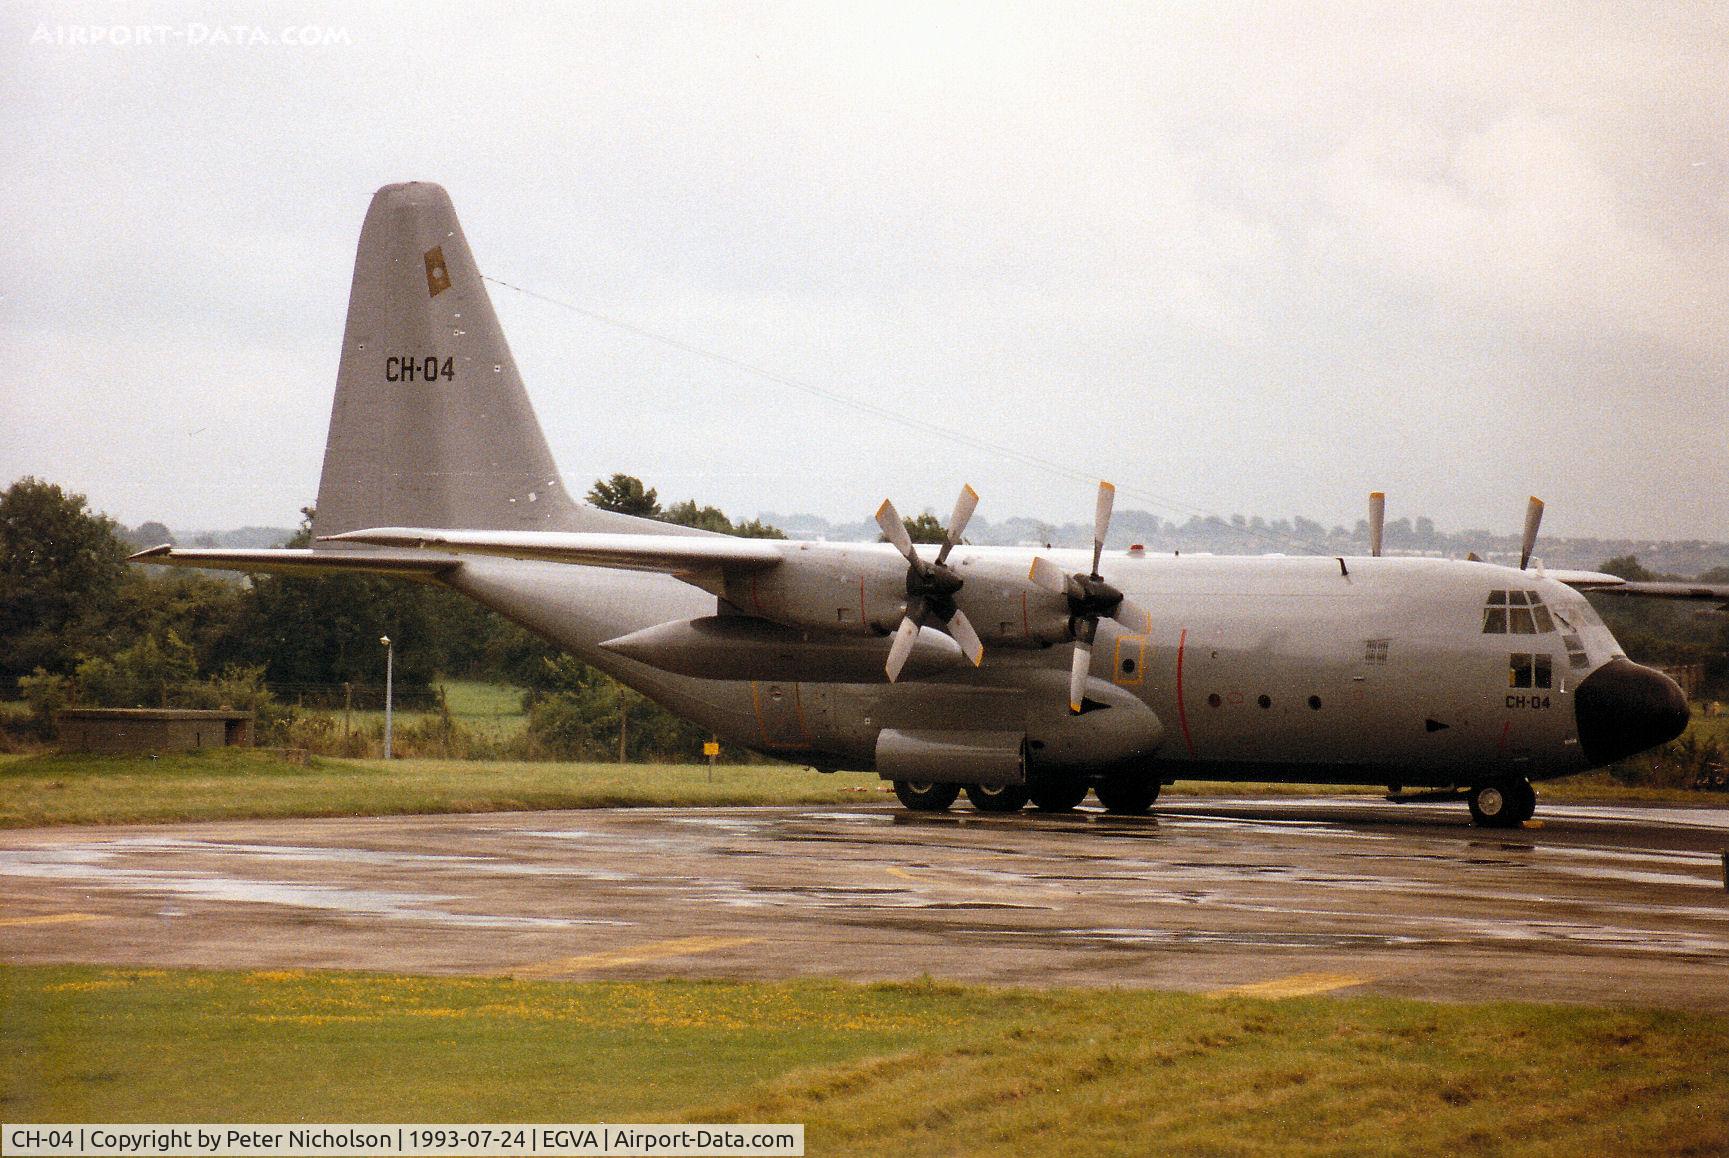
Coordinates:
189	35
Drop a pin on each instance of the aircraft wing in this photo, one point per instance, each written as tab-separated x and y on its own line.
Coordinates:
1648	589
301	561
1682	590
671	554
1586	580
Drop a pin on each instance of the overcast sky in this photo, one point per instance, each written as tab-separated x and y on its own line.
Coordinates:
1256	258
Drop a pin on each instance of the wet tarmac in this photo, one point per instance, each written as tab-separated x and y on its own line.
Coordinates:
1621	905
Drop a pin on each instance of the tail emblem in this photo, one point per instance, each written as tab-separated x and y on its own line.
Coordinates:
437	277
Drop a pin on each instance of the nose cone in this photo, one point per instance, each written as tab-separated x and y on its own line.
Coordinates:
1623	708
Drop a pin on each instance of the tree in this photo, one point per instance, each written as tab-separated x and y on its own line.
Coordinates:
925	529
151	534
625	494
60	570
1629	568
688	514
325	630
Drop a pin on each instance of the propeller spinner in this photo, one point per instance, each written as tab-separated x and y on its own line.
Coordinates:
1090	599
931	587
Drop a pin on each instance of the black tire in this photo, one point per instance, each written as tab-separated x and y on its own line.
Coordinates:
922	797
1127	795
997	797
1505	804
1058	793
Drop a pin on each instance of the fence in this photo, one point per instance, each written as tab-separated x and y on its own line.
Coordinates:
353	696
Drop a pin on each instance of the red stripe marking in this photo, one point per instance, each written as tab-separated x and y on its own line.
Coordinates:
1026	620
1501	744
1182	710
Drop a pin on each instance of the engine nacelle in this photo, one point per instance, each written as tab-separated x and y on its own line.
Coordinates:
951	756
1114	728
743	647
860	589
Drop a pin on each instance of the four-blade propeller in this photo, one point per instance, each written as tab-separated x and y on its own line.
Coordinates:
931	587
1090	599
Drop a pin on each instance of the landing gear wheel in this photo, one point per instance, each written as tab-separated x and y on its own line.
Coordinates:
1127	795
1058	793
1505	805
924	797
997	797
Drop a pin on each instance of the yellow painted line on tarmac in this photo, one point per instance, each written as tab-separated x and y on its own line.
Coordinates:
630	955
51	919
903	874
1297	985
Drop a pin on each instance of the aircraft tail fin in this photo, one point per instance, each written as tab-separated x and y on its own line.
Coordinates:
431	426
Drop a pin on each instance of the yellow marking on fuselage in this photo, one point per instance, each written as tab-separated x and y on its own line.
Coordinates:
1297	985
52	919
630	955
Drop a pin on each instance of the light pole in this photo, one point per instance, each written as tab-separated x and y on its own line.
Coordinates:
389	677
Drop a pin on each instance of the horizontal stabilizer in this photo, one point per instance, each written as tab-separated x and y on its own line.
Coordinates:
301	561
672	554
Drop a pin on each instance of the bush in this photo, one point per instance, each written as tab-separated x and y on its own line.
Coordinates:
1690	762
560	725
46	694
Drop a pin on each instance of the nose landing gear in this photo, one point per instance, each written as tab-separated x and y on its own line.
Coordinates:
1503	803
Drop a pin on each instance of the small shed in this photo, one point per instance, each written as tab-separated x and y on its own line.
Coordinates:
151	729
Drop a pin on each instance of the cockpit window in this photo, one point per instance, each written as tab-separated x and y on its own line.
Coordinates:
1516	613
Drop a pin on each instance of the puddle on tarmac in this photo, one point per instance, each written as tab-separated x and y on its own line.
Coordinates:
1242	938
87	865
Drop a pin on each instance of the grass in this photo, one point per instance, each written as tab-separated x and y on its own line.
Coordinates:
235	783
903	1068
231	783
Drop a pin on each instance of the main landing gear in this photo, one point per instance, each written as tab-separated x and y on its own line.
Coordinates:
922	797
1503	803
1127	795
1122	795
997	797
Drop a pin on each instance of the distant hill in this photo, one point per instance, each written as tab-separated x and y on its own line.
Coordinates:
1234	536
244	538
1299	536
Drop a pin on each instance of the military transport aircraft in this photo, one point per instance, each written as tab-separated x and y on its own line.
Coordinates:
1009	673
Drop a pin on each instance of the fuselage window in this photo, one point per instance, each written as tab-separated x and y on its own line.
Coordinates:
1576	656
1528	670
1375	651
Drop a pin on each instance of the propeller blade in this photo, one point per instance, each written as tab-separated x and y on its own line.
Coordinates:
901	648
1102	521
1079	669
1049	576
1377	521
1134	617
1533	519
895	531
961	628
964	507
